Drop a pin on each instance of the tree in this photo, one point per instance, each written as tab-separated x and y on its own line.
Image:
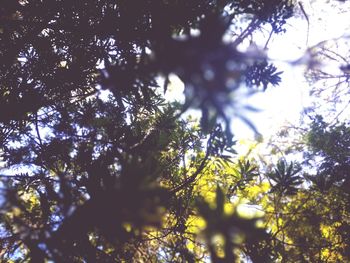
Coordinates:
310	223
123	178
329	81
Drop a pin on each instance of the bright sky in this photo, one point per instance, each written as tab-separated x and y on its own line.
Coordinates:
284	103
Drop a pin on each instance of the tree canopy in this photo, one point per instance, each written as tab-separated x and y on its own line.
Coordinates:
98	166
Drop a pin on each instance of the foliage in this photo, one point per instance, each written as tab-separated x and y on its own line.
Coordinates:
312	224
124	177
263	74
275	12
285	178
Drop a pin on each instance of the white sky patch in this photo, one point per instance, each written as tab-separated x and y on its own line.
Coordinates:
284	104
175	89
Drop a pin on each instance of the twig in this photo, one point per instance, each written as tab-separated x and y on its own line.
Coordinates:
249	30
37	130
307	20
193	177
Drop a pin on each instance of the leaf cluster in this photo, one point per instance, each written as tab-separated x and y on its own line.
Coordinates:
116	178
